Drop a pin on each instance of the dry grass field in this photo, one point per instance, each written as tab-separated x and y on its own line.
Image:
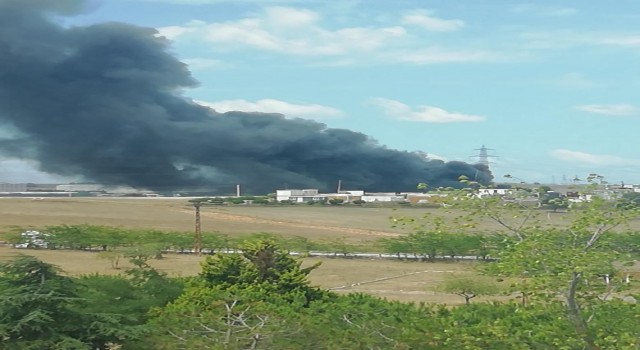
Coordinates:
355	224
394	280
414	281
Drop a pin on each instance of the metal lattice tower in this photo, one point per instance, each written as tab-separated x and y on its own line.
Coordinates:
483	155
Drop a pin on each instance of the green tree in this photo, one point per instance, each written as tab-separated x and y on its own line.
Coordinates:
132	294
261	201
563	262
469	287
262	265
235	318
41	309
557	203
545	264
630	201
113	256
239	301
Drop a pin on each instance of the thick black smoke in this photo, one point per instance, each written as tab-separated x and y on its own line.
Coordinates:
105	101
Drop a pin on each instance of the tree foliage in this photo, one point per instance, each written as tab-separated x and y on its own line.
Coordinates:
41	309
469	287
261	266
569	263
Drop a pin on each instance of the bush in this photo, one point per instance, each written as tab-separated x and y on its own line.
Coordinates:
216	201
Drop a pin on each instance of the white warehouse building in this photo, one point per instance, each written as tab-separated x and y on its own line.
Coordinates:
299	196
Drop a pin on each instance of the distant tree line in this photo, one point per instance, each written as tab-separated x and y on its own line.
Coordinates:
114	243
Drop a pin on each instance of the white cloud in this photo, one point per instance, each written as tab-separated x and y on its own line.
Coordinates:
422	113
622	40
301	32
564	39
425	20
576	80
211	2
186	2
173	32
247	32
279	16
307	111
439	55
612	110
296	31
555	39
552	11
592	159
203	63
562	12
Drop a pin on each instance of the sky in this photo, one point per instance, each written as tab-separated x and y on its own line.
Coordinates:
551	88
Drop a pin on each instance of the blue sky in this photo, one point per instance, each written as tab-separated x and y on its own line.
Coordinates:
551	86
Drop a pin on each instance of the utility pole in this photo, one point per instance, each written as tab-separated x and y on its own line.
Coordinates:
197	244
197	239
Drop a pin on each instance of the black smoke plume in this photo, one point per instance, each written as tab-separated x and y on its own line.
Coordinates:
105	102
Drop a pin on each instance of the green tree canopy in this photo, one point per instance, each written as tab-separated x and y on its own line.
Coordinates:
40	309
260	266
